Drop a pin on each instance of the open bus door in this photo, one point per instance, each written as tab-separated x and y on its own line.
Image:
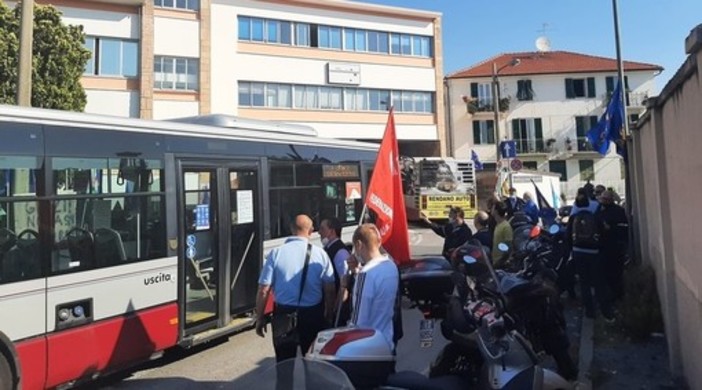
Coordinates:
220	246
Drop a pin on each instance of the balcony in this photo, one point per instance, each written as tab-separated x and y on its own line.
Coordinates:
633	99
474	105
531	146
583	145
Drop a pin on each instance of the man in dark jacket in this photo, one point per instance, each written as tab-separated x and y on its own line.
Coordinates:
615	239
455	232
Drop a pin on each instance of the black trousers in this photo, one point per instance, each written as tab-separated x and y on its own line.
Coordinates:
310	321
614	271
590	268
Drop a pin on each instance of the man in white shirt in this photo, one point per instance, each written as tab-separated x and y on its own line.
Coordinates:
376	285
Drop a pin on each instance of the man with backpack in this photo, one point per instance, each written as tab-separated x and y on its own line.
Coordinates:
585	227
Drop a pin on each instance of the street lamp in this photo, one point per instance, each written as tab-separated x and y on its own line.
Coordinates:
496	105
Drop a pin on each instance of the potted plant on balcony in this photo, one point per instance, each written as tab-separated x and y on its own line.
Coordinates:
471	104
504	104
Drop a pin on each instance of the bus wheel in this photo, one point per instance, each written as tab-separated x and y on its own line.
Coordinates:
7	382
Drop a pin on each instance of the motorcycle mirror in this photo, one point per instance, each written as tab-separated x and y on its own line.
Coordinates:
469	259
503	247
535	231
554	229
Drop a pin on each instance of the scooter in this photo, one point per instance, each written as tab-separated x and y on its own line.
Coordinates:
503	359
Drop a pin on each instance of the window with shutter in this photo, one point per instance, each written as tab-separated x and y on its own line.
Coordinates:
476	132
578	88
558	166
528	135
474	90
591	87
524	91
570	90
483	132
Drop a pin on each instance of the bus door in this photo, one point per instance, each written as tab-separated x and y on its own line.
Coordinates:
221	242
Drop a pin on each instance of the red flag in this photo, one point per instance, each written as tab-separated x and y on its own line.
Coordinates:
386	199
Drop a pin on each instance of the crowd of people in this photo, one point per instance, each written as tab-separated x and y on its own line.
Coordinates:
358	284
596	238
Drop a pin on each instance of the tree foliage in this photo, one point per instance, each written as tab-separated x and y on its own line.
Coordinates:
58	61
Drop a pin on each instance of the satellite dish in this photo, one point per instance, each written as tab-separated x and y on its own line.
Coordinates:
543	44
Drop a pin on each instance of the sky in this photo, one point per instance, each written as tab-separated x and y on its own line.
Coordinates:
651	31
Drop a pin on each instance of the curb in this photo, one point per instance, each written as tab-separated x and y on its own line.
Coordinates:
585	353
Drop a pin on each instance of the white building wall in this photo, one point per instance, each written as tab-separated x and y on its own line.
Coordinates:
332	18
177	37
167	109
228	66
114	103
558	119
103	23
372	131
314	72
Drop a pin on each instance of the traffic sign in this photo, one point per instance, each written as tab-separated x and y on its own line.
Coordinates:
508	149
516	164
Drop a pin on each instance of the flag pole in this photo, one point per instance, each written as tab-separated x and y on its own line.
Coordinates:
620	67
626	136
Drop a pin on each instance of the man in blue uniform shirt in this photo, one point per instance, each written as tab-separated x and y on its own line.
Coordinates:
300	309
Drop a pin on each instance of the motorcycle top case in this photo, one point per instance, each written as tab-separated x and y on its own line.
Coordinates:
362	353
427	280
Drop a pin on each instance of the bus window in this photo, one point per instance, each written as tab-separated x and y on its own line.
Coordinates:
318	189
107	212
19	219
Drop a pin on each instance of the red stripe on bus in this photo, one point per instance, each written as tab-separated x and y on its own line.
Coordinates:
110	344
32	357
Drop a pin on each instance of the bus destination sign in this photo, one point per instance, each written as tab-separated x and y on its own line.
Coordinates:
339	171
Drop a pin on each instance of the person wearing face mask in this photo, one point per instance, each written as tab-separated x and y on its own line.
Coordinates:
330	232
456	232
377	285
615	237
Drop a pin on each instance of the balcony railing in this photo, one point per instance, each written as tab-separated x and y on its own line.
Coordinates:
531	146
584	145
633	99
485	105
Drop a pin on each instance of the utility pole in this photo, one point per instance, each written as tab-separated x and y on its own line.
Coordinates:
24	81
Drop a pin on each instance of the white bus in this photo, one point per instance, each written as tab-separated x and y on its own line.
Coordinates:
120	238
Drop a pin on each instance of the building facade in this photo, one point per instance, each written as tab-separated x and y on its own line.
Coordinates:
334	65
548	102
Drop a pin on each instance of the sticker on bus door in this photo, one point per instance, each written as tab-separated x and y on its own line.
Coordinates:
202	217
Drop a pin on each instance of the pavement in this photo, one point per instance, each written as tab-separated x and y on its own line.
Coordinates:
609	359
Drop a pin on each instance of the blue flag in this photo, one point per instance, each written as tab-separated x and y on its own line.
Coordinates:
476	160
546	212
610	125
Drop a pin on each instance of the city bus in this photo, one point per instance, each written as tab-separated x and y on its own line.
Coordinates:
432	184
120	238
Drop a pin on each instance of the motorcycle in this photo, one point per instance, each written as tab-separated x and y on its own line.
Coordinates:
529	296
487	349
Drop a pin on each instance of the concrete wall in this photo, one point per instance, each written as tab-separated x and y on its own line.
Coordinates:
665	178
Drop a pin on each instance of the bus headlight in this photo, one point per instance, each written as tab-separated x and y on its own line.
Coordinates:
64	314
